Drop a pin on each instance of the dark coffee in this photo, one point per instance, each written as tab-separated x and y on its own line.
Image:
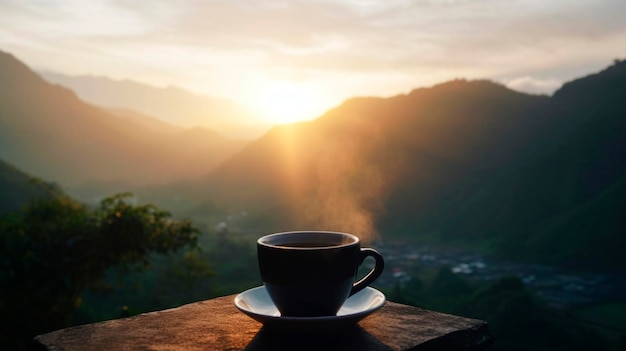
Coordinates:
311	274
312	244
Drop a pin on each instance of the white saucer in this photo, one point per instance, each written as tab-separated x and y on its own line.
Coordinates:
257	304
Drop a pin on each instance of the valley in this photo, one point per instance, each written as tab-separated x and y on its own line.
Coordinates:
557	287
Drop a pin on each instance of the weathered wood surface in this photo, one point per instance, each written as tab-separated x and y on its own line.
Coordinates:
217	325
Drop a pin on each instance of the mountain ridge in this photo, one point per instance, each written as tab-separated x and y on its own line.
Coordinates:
171	104
472	161
46	130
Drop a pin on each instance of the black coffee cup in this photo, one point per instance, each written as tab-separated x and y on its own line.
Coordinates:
312	273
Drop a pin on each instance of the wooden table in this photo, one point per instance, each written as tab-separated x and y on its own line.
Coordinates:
217	325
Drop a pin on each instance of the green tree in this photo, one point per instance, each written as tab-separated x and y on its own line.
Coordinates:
235	262
447	283
518	323
56	248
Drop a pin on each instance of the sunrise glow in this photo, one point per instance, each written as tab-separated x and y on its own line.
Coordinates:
281	102
283	62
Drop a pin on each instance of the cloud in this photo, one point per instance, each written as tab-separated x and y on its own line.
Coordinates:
355	42
477	37
534	85
71	18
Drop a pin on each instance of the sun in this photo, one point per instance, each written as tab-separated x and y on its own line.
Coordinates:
282	102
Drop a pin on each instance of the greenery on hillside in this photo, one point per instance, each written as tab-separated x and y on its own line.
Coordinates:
18	188
55	249
516	318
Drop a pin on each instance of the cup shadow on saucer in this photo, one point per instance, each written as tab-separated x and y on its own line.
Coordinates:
350	338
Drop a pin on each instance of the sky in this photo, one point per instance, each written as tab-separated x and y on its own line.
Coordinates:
296	59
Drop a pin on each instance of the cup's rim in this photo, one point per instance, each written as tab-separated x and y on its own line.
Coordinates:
266	240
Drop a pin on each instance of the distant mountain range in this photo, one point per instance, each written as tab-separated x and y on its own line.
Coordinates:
470	162
47	131
171	104
536	178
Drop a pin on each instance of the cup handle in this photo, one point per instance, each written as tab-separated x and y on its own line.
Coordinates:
373	274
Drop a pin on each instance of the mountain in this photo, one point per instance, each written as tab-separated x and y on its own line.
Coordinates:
46	130
529	177
19	189
345	163
469	162
170	104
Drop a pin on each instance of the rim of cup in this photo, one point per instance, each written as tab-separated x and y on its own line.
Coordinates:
274	240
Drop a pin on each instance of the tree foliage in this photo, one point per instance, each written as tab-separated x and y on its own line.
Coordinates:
56	248
515	318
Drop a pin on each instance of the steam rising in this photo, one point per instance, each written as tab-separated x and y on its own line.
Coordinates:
348	192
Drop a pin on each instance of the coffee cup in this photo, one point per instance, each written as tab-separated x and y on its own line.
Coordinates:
312	273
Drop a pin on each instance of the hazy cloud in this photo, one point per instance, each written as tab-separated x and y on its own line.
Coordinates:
414	43
534	85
